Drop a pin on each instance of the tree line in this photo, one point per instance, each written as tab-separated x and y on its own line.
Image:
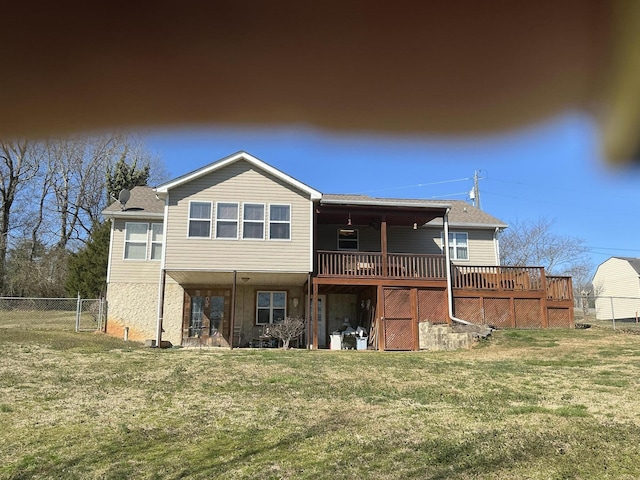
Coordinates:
53	239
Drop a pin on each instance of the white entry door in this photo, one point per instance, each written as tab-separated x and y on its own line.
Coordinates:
322	319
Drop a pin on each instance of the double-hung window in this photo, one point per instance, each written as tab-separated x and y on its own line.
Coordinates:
279	222
135	241
458	245
271	307
156	241
199	219
253	221
227	220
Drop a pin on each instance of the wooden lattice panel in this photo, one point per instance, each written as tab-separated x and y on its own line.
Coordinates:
469	309
559	317
497	312
528	314
397	303
432	306
398	334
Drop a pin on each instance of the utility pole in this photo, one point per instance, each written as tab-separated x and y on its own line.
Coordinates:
475	192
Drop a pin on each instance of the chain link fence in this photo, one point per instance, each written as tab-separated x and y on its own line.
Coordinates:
79	314
616	312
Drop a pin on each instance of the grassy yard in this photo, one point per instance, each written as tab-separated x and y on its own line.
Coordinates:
524	404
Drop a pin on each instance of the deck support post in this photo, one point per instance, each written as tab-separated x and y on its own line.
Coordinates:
232	320
384	247
315	316
380	322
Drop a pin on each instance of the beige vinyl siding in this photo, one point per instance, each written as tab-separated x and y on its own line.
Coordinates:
131	271
239	182
482	248
616	278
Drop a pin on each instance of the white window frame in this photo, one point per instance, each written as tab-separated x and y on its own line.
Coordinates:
129	242
280	222
156	242
271	307
357	240
228	220
262	222
453	245
191	202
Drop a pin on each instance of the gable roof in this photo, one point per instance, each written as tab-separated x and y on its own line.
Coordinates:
143	202
461	214
164	188
148	202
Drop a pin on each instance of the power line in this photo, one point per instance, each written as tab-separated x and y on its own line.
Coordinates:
418	185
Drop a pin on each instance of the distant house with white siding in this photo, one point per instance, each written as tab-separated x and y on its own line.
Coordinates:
616	286
218	255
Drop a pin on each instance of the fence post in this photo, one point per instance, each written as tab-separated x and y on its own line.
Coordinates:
613	315
100	310
78	309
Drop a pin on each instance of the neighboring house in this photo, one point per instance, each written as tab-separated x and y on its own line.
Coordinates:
616	285
216	256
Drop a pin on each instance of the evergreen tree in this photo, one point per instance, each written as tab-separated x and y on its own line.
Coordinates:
126	176
87	270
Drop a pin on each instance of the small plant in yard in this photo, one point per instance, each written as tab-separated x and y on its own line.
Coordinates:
287	330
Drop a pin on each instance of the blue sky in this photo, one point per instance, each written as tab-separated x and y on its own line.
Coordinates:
551	170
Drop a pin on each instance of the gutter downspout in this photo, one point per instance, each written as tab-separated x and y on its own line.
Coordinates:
163	276
497	245
448	265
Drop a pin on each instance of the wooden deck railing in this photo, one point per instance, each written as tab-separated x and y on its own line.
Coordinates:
559	288
370	264
498	278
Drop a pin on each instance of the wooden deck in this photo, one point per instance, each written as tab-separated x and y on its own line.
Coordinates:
523	279
502	297
512	297
332	264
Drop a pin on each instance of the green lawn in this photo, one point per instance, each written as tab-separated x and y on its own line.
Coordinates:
524	404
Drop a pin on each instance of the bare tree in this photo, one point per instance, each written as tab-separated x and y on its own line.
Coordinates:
533	243
18	166
52	193
287	330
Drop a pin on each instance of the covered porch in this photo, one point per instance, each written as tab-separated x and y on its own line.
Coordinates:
391	284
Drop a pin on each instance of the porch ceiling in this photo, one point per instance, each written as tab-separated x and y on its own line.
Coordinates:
368	215
207	277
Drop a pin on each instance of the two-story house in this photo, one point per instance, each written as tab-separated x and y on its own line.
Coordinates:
216	256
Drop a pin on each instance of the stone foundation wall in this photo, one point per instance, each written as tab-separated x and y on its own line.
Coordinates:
443	337
135	305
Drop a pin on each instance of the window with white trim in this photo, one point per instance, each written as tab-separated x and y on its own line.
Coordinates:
348	239
253	221
458	245
157	236
279	222
135	241
227	220
199	219
271	307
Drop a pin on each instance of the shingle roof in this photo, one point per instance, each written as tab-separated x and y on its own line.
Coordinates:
461	213
143	202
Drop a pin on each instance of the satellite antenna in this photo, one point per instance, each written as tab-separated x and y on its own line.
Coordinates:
123	197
